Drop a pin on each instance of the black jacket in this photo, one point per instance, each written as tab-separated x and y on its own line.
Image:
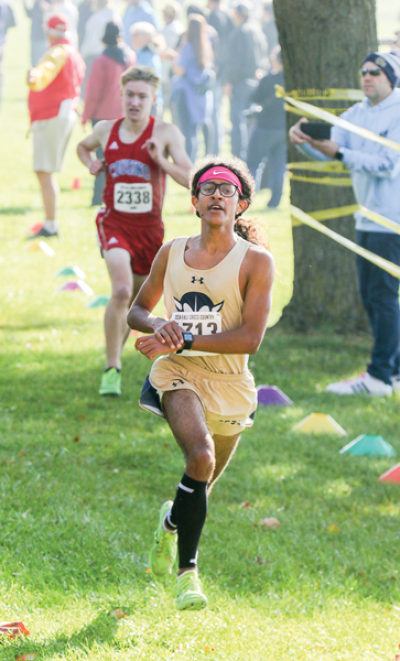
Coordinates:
245	53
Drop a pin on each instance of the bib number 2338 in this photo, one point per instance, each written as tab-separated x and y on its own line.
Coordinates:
133	198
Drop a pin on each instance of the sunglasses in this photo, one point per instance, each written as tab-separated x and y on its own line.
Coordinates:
372	72
209	187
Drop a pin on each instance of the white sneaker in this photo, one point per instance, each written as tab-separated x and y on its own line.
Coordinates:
396	383
365	384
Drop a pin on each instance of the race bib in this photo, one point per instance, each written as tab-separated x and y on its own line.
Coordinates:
199	323
133	198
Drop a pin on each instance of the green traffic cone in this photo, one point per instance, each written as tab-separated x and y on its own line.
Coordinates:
98	302
368	444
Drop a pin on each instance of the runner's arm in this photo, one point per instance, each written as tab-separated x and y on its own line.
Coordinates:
140	315
256	309
180	166
89	145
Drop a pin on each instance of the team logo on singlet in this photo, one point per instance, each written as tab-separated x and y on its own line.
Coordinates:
194	301
127	166
114	145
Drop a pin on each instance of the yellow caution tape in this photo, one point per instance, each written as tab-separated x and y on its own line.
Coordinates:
337	212
326	181
384	264
381	220
302	113
349	210
344	124
319	166
321	95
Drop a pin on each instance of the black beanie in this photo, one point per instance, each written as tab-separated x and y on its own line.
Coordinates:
389	63
111	34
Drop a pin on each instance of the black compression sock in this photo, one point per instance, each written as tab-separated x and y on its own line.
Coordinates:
189	513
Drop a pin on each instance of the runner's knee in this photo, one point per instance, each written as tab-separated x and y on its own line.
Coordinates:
201	463
122	294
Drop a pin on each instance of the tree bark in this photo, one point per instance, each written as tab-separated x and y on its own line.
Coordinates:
323	44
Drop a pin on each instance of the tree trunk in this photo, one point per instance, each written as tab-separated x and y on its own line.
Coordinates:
323	44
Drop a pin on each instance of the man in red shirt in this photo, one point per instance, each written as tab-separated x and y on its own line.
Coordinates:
130	228
53	98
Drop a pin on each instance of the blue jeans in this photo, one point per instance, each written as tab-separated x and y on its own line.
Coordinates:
268	146
380	296
189	129
239	133
100	180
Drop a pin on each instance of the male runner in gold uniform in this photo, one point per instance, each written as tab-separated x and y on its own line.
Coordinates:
217	293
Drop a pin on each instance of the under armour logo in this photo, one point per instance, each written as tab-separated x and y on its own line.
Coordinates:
199	280
175	383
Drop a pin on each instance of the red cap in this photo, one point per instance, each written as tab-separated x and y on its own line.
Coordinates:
222	173
58	22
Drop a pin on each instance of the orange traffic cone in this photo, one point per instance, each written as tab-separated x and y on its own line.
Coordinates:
76	184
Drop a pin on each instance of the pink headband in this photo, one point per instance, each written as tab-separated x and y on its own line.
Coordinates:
220	172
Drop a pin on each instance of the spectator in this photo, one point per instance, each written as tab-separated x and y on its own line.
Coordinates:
375	173
269	27
171	32
103	89
94	32
7	20
192	86
220	20
68	9
85	11
53	98
139	11
38	37
146	43
267	142
246	51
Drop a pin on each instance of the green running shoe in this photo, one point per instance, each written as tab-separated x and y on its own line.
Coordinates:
162	555
189	592
110	383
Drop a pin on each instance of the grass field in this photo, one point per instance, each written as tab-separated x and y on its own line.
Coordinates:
82	478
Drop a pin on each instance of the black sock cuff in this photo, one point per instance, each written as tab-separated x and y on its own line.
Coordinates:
191	483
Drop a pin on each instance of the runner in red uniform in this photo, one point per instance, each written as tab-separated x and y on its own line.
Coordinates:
130	228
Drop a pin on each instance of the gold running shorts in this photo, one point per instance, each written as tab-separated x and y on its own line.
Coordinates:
228	399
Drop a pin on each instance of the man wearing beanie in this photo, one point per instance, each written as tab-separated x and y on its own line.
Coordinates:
53	98
375	174
103	93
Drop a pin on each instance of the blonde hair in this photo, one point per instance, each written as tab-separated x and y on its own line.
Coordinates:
142	73
144	28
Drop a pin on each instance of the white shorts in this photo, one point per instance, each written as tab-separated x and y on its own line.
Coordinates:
50	139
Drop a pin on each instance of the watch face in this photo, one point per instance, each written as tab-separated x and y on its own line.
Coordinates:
187	337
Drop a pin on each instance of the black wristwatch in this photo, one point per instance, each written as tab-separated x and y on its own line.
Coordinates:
339	155
188	341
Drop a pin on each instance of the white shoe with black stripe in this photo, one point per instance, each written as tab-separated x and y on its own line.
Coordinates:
396	383
365	384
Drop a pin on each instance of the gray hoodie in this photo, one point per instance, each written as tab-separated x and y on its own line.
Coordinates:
374	170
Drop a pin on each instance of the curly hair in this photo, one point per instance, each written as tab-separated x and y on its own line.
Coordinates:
246	228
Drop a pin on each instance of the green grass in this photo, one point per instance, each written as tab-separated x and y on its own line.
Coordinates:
82	478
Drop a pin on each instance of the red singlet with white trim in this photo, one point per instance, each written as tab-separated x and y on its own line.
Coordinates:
135	184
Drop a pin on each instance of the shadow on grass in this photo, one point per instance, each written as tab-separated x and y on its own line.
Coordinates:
14	211
100	631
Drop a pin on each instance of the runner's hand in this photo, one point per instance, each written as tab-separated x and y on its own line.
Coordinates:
97	166
150	347
155	149
170	334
